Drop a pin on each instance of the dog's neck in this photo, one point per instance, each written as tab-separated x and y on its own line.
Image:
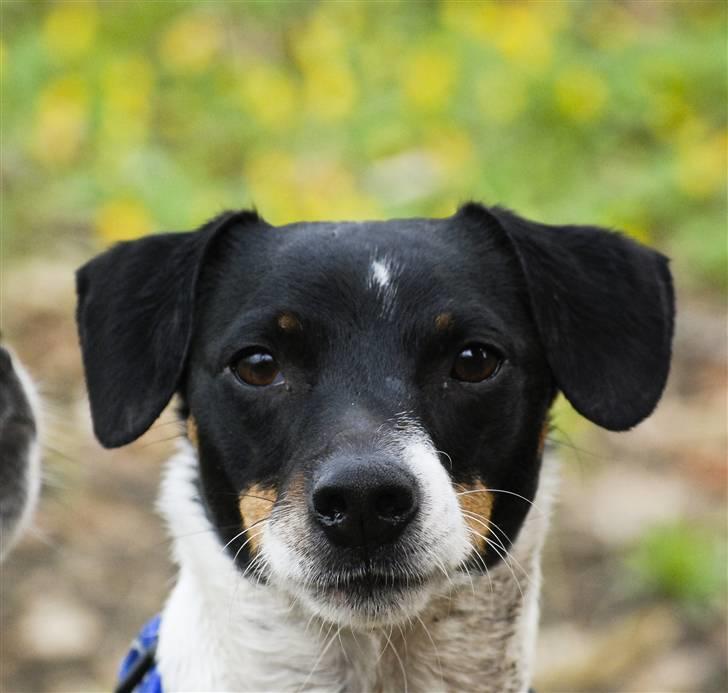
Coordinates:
221	631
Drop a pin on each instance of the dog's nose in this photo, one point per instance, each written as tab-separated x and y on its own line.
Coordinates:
359	501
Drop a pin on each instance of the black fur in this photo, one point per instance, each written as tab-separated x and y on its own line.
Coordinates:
135	315
604	308
575	308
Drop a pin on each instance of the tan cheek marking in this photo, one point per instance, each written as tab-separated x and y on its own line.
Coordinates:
256	505
289	323
192	431
476	503
443	322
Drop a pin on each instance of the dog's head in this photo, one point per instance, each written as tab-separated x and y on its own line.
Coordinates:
369	400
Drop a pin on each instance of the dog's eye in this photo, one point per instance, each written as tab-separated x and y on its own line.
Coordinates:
257	367
475	363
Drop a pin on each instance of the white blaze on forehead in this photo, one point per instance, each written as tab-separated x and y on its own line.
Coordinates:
381	279
379	274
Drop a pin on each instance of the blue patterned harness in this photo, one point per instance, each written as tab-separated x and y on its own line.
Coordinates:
138	672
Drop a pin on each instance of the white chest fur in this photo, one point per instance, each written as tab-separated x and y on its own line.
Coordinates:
223	633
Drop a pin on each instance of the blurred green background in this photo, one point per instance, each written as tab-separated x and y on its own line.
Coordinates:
123	118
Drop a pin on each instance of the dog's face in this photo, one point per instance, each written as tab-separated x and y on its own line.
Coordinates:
369	400
354	390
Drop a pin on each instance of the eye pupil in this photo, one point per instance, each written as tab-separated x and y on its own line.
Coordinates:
475	363
257	368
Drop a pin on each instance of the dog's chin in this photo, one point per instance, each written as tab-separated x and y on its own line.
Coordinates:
368	600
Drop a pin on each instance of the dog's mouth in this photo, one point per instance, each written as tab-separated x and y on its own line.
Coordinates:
372	583
372	595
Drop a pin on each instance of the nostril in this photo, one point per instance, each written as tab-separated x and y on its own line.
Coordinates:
330	505
394	504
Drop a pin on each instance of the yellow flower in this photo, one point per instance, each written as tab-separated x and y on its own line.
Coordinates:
286	189
667	113
331	91
489	19
69	29
121	220
631	222
581	94
271	96
555	16
270	175
502	95
428	79
523	38
127	88
191	43
702	168
319	48
61	121
479	19
328	191
318	41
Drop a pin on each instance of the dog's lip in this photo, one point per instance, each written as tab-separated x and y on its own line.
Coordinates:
373	581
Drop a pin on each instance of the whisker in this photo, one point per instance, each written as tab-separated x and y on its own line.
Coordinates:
399	659
483	520
321	656
240	534
247	541
249	495
478	557
434	647
500	490
503	558
442	452
179	436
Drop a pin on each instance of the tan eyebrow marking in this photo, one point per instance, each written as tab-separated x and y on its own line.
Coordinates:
444	322
289	322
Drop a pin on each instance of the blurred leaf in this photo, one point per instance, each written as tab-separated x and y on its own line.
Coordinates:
682	562
69	29
568	112
191	42
581	94
121	220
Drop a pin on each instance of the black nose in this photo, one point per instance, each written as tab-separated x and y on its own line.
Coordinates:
359	500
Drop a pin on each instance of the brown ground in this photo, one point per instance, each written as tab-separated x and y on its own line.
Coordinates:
97	563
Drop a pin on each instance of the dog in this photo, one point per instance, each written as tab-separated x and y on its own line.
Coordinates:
20	469
362	495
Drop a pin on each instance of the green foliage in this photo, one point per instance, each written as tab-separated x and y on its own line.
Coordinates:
683	562
123	118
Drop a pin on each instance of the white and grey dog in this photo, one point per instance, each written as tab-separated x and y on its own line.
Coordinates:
19	450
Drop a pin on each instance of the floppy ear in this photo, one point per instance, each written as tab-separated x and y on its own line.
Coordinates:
135	317
604	309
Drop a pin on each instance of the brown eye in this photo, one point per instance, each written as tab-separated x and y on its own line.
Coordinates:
475	363
257	367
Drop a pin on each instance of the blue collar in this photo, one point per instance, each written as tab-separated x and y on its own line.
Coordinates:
138	672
